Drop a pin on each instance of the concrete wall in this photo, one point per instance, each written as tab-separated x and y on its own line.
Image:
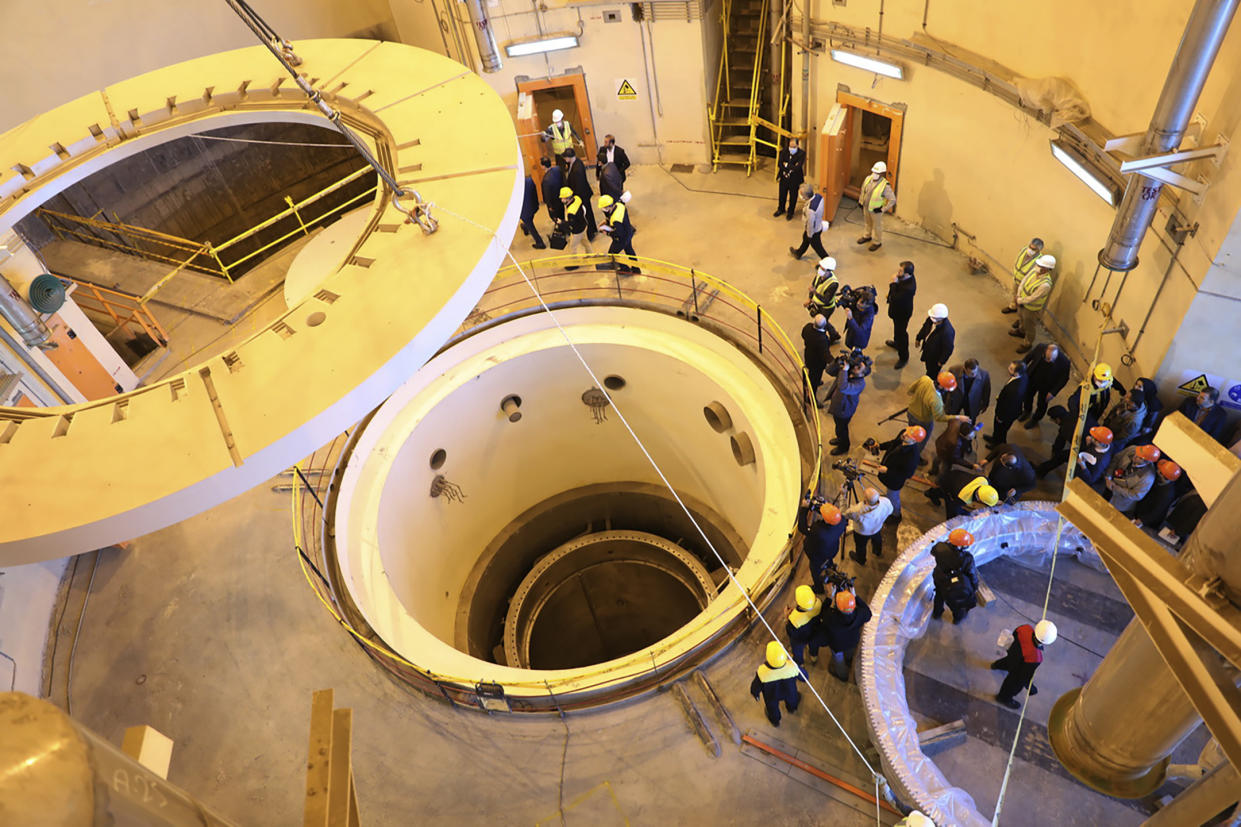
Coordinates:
971	159
57	52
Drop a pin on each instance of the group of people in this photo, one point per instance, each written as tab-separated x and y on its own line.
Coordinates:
568	195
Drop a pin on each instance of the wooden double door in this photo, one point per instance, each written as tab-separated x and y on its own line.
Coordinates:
856	133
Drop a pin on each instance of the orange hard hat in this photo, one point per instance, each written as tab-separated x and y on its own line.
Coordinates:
830	513
845	601
960	538
1101	435
946	381
1169	469
1148	452
915	432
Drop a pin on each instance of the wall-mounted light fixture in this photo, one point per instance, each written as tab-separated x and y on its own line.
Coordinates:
551	43
1079	165
870	64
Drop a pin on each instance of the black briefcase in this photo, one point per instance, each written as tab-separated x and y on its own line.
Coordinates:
557	240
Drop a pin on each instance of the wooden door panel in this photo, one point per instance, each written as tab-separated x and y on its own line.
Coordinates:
834	162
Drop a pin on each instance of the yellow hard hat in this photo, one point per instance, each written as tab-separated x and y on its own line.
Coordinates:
805	598
1102	375
988	495
606	201
775	655
565	192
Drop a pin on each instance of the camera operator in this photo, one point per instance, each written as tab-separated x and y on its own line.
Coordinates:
859	308
823	535
900	461
842	399
901	309
868	517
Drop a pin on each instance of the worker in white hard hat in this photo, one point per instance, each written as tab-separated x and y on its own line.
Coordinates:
1032	296
562	135
936	339
1022	267
915	819
1025	653
821	300
876	199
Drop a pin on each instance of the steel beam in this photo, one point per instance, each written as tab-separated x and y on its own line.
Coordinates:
1210	465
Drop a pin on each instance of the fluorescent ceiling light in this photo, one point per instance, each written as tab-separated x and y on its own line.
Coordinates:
1101	185
891	70
546	44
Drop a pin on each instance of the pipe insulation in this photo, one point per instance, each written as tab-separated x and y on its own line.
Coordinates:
484	36
16	311
1204	33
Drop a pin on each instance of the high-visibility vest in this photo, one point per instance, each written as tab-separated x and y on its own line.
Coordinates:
966	494
878	184
574	205
1024	265
1030	285
800	618
562	138
820	285
767	675
618	215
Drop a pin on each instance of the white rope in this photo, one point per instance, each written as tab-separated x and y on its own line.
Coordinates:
641	446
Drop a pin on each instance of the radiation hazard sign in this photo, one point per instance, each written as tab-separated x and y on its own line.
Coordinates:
1196	385
625	90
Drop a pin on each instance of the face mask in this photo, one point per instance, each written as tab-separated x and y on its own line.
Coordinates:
792	150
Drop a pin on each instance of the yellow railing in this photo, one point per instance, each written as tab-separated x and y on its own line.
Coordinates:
729	310
722	92
122	308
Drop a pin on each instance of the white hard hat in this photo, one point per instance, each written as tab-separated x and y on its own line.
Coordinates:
828	263
557	116
917	819
1046	261
1045	631
938	311
879	166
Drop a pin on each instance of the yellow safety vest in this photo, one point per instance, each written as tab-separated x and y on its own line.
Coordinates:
799	618
1030	285
966	494
562	138
618	215
574	205
878	184
767	675
819	286
1023	266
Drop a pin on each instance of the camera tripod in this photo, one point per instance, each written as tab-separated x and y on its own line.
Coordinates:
854	477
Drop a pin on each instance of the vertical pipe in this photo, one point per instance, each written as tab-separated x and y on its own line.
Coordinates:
775	54
1204	32
484	36
805	67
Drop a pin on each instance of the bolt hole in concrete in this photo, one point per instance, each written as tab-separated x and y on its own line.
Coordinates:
717	417
743	448
438	458
315	319
614	382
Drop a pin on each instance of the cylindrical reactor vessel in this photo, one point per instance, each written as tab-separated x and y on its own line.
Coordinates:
551	553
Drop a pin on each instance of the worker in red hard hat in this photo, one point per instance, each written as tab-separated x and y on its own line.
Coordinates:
899	463
1025	653
1095	456
1131	475
955	576
822	525
841	629
1153	509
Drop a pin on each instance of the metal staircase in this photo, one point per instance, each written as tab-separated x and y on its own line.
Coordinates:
739	92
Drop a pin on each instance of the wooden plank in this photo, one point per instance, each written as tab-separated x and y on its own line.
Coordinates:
355	820
318	760
149	747
340	776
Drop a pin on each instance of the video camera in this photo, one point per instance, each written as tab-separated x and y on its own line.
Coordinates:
871	446
855	298
849	468
853	359
839	579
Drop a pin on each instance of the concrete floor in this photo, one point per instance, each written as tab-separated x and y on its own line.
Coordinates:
207	630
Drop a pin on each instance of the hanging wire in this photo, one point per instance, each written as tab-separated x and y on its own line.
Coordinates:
659	471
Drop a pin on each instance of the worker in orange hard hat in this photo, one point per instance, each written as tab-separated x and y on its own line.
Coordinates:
822	525
776	680
841	625
1153	508
955	576
1095	456
1131	475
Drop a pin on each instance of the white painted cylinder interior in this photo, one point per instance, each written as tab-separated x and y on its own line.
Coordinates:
405	556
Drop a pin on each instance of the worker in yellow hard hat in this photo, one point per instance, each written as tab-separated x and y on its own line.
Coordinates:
776	680
955	576
618	227
962	490
822	525
802	627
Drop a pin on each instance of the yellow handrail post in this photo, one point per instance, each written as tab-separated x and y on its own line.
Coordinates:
288	200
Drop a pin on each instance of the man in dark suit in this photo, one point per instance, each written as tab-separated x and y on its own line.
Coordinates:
610	153
577	181
1008	403
530	206
936	338
1009	472
901	292
1205	411
817	350
1047	368
790	172
973	394
553	180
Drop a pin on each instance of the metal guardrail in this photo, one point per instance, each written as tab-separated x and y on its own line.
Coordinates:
696	296
123	308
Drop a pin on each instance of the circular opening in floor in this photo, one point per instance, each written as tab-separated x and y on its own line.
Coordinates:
614	382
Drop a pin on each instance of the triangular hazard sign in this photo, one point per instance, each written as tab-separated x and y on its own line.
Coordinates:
1196	386
626	90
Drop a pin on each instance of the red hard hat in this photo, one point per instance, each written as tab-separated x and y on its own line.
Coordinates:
1148	452
1169	469
960	538
845	601
830	513
915	432
946	381
1101	435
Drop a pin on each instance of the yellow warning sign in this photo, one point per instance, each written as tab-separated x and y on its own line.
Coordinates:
1195	386
626	92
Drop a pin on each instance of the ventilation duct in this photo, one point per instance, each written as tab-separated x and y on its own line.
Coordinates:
22	317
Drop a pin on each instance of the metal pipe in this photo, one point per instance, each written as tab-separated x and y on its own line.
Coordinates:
659	152
775	55
17	311
484	36
805	66
1204	32
1202	800
650	35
